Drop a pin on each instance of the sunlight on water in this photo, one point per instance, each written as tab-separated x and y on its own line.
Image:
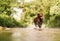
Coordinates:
30	34
19	34
16	35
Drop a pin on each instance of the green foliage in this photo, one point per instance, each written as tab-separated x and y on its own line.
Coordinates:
23	23
8	21
46	17
6	7
54	21
50	9
5	11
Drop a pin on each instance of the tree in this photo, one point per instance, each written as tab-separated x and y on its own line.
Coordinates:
6	6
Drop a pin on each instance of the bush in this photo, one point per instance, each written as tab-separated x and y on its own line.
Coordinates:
46	18
7	21
23	23
54	21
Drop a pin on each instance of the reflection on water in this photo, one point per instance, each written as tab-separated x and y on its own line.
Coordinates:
26	34
5	36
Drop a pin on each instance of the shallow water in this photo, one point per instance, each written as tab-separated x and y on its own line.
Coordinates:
28	34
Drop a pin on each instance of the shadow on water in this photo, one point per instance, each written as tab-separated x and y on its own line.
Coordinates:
5	36
27	34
